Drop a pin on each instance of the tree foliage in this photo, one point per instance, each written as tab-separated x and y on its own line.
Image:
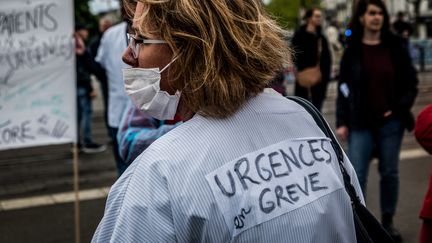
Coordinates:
83	15
287	11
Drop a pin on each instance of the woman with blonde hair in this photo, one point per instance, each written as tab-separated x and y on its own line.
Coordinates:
247	164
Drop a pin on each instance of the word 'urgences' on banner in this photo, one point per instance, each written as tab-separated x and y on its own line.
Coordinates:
273	181
37	73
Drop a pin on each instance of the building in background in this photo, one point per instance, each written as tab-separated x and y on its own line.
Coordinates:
337	10
341	11
106	8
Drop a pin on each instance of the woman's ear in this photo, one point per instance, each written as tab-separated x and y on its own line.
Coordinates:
362	20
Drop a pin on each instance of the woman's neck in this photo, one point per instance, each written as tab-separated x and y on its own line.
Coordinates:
311	28
183	111
371	37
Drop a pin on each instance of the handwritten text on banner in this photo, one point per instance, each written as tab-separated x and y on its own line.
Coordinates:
37	73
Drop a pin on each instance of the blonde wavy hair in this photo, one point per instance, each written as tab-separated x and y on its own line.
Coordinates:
228	50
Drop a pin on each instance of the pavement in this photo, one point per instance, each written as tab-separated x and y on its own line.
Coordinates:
36	189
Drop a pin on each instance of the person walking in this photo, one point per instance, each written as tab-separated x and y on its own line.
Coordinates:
376	90
311	49
247	164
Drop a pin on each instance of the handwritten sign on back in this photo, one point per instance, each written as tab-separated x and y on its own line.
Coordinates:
273	181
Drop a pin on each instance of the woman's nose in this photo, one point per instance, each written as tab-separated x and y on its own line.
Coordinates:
129	59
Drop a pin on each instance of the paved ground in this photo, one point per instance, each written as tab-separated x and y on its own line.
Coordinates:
36	184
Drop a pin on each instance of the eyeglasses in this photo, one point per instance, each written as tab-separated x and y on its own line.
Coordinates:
134	43
373	13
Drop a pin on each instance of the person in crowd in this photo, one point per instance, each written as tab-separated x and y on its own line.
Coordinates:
247	164
310	49
335	47
138	130
423	134
377	88
109	56
85	92
404	29
104	23
401	27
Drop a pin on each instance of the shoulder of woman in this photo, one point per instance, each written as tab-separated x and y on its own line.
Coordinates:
394	40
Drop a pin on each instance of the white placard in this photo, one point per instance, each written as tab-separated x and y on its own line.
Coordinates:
37	73
273	181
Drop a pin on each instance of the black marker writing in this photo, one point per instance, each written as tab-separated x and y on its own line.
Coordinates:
15	133
19	22
60	129
244	175
239	219
43	131
222	188
247	172
289	194
34	54
43	119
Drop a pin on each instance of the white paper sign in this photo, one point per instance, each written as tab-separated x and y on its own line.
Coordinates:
37	73
273	181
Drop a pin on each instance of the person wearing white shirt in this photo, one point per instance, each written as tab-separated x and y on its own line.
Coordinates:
109	56
247	164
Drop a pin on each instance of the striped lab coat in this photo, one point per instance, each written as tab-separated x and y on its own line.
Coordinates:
265	174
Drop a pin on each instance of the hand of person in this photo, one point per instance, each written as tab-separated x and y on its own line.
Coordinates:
342	133
388	113
93	94
79	45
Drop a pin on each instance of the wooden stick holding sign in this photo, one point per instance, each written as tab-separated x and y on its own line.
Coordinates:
76	191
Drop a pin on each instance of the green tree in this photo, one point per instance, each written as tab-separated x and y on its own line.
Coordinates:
83	15
287	11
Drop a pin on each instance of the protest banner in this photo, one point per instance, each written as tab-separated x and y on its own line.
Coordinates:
38	79
37	73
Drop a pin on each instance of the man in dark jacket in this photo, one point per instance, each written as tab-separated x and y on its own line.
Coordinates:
306	43
402	27
85	93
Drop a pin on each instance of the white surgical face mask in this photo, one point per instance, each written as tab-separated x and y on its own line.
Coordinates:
143	87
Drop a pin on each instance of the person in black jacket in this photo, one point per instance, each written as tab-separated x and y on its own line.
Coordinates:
85	66
305	44
377	88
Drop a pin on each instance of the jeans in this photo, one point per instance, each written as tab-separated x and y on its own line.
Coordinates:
386	142
120	164
85	113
